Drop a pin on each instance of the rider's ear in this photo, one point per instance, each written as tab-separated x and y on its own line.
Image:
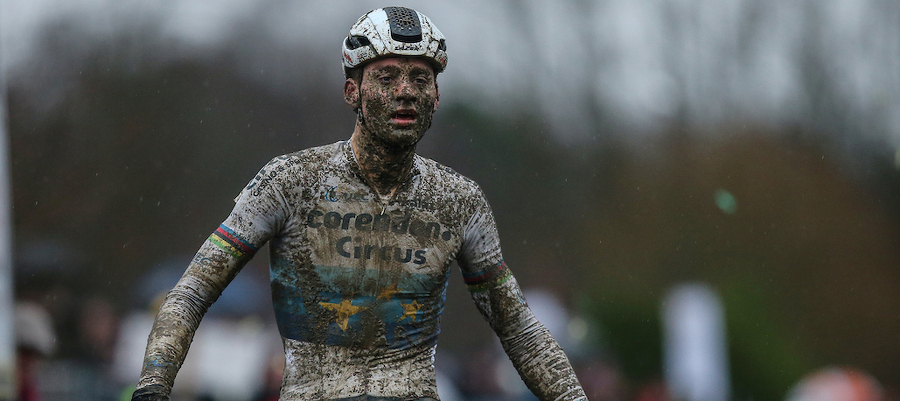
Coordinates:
351	93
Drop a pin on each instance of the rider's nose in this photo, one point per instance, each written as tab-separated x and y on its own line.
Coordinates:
405	90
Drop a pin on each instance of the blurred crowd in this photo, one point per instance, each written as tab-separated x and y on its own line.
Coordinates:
83	347
80	346
236	358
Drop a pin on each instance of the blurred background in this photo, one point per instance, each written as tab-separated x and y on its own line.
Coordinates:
713	178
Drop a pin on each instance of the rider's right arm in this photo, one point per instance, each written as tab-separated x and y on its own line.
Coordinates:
179	315
257	216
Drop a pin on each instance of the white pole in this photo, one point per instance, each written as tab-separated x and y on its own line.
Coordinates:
7	332
696	350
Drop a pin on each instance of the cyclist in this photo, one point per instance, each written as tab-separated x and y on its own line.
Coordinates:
362	233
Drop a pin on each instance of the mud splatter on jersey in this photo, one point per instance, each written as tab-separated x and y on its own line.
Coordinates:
359	282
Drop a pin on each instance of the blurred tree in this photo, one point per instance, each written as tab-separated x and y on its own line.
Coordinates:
804	254
133	161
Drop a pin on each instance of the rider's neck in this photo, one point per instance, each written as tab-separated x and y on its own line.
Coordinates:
384	166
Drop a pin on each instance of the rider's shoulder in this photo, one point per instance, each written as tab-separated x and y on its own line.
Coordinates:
301	158
446	176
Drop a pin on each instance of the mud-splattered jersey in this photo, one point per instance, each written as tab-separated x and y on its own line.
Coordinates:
358	282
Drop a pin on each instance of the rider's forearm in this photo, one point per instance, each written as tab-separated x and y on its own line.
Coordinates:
537	356
170	338
179	316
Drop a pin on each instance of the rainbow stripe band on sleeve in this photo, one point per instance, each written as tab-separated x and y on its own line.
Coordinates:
486	279
232	243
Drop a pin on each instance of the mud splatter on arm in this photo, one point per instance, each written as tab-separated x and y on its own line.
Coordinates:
534	352
255	219
179	316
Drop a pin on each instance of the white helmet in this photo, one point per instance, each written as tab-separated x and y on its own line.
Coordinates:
396	31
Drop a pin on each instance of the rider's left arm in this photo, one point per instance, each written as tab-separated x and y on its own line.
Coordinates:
534	352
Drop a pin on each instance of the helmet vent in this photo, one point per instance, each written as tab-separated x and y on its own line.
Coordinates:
355	42
405	26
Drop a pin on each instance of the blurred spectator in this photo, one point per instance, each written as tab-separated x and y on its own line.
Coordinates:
653	391
447	370
601	380
98	327
836	384
271	387
35	340
446	388
479	380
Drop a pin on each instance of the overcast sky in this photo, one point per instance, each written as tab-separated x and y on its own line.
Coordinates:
645	62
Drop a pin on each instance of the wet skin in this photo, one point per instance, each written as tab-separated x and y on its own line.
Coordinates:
396	99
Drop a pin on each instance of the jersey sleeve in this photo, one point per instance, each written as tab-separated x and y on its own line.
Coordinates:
480	251
261	209
536	355
257	216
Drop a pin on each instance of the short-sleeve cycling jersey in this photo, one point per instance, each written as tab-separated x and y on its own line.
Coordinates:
358	282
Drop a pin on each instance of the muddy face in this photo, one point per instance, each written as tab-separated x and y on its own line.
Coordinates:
397	98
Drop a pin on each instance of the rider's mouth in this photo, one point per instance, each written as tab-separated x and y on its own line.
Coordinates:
404	116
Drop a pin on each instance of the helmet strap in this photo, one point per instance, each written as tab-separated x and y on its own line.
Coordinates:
359	117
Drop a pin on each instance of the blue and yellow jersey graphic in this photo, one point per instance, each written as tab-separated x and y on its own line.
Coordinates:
356	307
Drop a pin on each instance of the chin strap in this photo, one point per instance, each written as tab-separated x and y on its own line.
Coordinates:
360	119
